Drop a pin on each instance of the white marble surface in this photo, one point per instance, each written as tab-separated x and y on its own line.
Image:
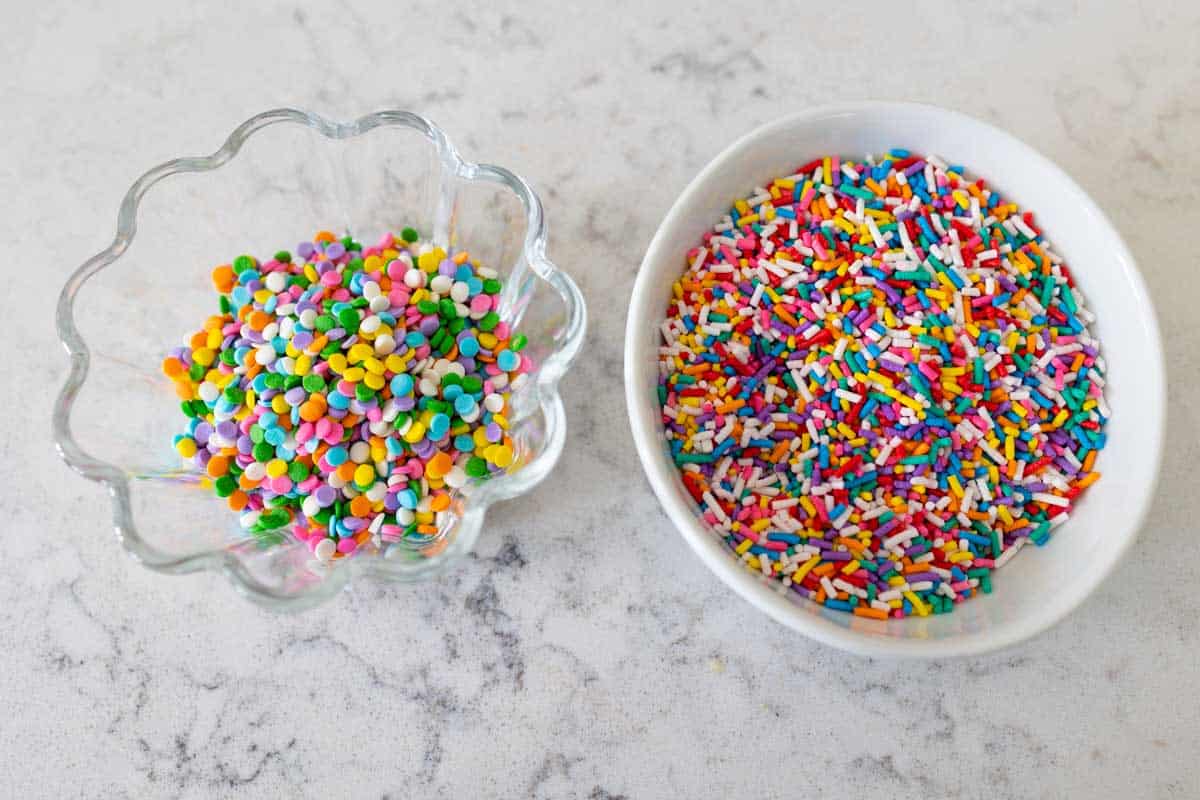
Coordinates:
584	653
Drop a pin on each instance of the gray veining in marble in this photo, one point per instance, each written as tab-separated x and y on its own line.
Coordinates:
582	652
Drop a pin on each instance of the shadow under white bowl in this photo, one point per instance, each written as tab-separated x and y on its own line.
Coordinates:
1041	585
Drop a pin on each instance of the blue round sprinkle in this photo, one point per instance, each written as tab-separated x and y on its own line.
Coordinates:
439	426
336	455
469	347
507	360
464	404
402	384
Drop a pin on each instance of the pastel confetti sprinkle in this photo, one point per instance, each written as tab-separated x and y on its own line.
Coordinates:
350	392
878	383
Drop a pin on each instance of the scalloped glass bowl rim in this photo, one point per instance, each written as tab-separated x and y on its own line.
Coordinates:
549	372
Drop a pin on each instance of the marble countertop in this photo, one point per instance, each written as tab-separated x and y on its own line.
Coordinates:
583	652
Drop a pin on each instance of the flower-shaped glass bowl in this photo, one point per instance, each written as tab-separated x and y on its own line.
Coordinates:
279	177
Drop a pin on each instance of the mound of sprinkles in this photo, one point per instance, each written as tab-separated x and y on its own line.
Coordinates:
878	383
349	391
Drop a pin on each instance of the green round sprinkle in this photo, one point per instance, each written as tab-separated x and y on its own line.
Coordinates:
476	467
283	257
472	384
228	357
275	518
451	379
234	395
456	326
409	235
313	383
256	433
325	323
263	452
243	263
446	308
224	304
518	343
274	380
297	471
363	392
199	408
224	486
186	407
401	419
427	307
348	319
196	372
489	321
491	286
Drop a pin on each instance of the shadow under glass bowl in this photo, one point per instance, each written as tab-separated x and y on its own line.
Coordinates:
281	176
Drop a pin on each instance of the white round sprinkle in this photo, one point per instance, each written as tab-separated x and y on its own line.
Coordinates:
456	478
310	506
308	318
427	387
276	282
325	549
370	324
414	279
270	331
441	284
459	292
264	354
384	344
370	289
381	303
256	471
360	452
208	392
494	403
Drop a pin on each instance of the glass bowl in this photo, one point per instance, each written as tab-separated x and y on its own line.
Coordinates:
281	176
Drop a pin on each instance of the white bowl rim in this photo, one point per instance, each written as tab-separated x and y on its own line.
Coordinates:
662	476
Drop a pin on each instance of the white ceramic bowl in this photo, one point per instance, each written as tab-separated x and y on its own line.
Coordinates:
1041	585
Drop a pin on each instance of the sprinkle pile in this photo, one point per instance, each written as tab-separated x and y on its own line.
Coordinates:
878	382
350	391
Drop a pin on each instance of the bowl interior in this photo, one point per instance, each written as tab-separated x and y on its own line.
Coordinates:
1041	584
289	180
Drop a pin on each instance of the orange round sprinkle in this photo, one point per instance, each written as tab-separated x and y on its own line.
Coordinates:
217	466
360	506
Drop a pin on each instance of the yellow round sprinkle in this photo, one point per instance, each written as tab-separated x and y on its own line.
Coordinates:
415	433
502	455
364	475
